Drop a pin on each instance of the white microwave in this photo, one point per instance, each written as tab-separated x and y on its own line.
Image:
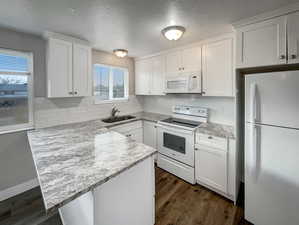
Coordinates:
183	83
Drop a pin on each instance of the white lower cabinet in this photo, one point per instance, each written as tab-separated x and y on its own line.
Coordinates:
150	133
215	165
128	198
132	130
211	167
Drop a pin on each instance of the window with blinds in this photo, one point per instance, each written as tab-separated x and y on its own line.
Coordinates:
16	78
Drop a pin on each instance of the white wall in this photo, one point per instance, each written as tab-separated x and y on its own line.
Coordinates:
221	109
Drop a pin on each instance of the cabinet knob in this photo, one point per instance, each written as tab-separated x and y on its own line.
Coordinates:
282	57
128	135
293	56
76	92
210	137
180	68
70	92
183	68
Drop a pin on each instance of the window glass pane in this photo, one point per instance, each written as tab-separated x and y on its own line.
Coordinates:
101	82
118	83
13	63
13	99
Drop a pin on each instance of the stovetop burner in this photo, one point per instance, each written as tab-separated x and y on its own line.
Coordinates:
182	122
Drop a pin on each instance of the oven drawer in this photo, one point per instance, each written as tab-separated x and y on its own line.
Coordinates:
211	141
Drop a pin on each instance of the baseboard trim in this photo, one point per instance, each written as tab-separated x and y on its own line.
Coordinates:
18	189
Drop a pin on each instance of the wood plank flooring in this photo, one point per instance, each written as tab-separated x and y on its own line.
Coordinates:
180	203
177	203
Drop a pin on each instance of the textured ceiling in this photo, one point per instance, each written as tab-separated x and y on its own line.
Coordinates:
131	24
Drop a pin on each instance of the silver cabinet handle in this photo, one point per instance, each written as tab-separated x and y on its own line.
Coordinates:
282	57
293	56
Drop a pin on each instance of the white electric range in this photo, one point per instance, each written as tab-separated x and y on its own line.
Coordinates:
176	137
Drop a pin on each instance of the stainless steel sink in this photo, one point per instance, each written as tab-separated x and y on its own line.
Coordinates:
117	119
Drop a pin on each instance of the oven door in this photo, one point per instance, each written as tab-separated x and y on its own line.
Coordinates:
176	143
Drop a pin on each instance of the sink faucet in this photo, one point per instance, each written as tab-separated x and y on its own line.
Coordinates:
114	111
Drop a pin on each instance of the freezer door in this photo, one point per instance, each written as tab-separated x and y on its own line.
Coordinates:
273	98
271	175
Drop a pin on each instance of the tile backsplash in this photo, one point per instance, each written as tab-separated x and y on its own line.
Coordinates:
51	112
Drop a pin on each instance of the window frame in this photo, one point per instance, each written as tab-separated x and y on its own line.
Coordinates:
30	75
126	85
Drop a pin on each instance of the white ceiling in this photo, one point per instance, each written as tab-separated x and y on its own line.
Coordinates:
131	24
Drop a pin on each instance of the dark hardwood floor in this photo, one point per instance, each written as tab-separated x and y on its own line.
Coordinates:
177	203
180	203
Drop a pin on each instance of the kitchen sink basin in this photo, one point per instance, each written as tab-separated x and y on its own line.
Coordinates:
118	118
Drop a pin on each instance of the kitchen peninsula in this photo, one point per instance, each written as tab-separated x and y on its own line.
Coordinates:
94	176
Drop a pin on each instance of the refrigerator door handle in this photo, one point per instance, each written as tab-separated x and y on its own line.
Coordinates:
253	151
253	102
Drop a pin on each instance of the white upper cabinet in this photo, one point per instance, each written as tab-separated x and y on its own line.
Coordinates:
60	69
181	61
262	44
191	59
293	37
68	69
149	76
217	63
142	77
173	63
158	75
81	70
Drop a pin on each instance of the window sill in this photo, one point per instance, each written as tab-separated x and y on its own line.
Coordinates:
15	129
99	102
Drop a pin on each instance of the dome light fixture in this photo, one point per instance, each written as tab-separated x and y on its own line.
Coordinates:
173	33
120	52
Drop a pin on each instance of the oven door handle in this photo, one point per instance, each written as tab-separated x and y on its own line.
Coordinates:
175	129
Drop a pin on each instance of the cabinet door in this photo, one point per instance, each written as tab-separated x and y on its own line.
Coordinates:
136	135
142	76
218	68
150	134
262	44
60	69
158	75
293	38
173	63
81	70
191	59
211	167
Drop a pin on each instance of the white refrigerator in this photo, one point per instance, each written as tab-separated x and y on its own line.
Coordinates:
272	148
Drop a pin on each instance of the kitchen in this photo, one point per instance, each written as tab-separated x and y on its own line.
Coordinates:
170	126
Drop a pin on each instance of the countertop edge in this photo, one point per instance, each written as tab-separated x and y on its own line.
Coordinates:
53	209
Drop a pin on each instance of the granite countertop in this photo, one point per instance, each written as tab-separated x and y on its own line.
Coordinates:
216	129
73	159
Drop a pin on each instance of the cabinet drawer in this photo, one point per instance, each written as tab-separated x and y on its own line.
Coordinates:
211	141
124	128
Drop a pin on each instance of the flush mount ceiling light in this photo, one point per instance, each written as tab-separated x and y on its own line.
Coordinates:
120	52
173	33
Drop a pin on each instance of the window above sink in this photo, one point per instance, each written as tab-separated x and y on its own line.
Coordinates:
110	83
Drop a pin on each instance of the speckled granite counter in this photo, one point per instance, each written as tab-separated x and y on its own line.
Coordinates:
73	159
216	129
